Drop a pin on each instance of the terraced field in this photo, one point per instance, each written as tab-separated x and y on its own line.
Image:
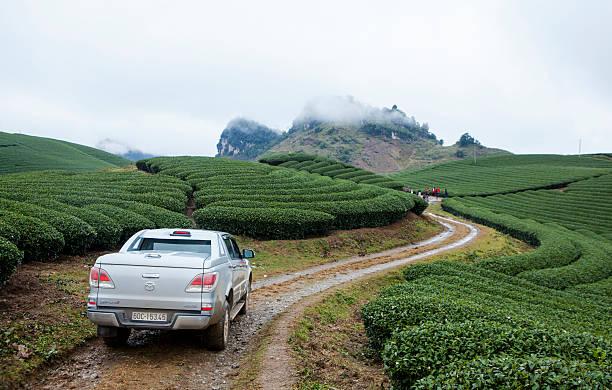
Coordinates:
330	167
504	174
264	201
585	206
43	214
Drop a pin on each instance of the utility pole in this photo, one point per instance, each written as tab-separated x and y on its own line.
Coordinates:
474	153
579	146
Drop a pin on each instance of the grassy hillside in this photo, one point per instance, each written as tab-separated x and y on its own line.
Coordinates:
21	153
505	174
377	153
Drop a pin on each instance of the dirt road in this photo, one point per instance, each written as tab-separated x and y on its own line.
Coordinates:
172	360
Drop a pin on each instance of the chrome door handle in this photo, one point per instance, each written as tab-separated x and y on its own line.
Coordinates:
152	256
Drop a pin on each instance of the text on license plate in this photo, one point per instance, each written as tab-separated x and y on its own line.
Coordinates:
146	316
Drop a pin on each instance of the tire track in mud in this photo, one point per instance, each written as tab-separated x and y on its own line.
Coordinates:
173	360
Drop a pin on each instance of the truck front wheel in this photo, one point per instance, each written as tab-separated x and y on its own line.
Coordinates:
247	297
217	335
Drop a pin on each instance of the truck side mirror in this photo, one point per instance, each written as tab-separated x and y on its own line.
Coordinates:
248	254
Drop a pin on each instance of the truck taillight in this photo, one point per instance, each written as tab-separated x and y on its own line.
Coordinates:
99	278
202	283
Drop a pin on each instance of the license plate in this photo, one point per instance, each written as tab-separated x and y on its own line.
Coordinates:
147	316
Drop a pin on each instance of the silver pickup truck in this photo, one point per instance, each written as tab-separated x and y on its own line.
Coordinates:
171	279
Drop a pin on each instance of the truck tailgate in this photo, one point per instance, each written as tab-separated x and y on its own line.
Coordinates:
151	281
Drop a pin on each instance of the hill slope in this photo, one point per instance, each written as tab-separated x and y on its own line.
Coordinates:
380	153
381	140
21	153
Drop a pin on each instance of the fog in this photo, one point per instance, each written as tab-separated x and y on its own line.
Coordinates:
346	109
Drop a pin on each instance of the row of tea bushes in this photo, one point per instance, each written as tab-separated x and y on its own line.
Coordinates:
563	259
505	174
452	320
330	167
573	209
43	214
265	201
536	320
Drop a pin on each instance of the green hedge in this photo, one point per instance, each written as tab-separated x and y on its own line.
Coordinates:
509	372
129	221
38	240
9	233
203	197
451	313
415	352
10	258
77	234
563	258
108	232
265	223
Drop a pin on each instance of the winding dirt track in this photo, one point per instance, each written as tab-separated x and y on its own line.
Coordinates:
172	360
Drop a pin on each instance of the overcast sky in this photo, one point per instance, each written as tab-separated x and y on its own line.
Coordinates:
166	76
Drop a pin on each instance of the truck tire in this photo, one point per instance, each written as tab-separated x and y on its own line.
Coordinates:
114	337
247	298
217	335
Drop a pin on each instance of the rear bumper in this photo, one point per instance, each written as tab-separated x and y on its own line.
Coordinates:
115	317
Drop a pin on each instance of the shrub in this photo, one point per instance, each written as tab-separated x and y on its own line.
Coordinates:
10	258
108	232
129	221
9	233
406	360
77	234
265	223
510	372
38	240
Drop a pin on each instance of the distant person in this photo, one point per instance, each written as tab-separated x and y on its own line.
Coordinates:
407	188
427	191
445	193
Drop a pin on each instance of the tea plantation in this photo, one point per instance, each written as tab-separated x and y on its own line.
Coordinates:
542	319
264	201
43	214
585	206
504	174
330	167
22	153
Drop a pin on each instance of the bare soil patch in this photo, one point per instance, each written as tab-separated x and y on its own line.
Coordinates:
43	314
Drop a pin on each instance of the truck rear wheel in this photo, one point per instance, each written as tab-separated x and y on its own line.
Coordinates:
217	335
114	337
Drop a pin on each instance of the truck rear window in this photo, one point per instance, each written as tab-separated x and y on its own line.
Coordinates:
168	244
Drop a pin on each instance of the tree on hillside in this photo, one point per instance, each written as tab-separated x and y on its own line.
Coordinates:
467	140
